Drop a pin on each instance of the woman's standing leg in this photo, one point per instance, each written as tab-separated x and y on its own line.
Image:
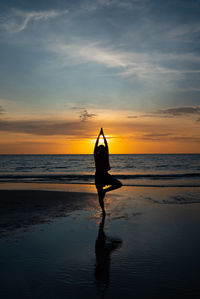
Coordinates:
101	195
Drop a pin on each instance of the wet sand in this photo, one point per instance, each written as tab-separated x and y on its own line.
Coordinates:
20	209
23	205
55	244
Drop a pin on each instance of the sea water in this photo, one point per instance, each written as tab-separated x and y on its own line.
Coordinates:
134	170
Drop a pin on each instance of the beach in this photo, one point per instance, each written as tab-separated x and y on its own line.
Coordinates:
54	242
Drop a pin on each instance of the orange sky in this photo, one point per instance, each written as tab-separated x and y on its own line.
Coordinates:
126	133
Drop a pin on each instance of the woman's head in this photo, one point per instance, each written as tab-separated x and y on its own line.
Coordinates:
101	150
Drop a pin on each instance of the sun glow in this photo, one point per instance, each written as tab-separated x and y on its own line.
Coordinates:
101	140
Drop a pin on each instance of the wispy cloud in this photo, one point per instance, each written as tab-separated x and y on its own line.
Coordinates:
145	66
44	127
127	64
180	111
154	136
167	137
132	116
184	30
84	116
2	110
18	20
98	4
170	112
84	52
70	128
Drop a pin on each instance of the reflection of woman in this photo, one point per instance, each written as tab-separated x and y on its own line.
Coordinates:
102	177
104	246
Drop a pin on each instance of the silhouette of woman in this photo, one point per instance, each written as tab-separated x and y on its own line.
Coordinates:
102	177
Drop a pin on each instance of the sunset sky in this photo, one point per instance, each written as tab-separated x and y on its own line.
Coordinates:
68	68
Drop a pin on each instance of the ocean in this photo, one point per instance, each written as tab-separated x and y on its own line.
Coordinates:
156	170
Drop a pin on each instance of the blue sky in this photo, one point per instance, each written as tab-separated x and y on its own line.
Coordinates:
138	56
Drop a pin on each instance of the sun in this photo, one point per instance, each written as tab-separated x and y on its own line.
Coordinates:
101	140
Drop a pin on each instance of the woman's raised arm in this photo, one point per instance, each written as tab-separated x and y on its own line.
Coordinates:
104	138
97	141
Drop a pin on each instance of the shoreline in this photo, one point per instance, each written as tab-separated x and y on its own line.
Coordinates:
82	186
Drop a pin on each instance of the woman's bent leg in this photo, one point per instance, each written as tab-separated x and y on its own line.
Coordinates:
113	184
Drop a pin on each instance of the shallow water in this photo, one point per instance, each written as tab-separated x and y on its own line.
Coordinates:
145	249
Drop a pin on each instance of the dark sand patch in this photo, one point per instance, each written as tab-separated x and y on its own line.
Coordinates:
20	209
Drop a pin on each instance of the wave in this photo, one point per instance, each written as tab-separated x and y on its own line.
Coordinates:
158	176
143	180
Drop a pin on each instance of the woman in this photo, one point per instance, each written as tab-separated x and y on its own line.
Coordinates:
102	177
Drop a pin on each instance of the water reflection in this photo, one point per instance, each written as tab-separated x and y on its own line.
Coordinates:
104	246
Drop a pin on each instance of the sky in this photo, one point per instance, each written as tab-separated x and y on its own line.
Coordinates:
68	68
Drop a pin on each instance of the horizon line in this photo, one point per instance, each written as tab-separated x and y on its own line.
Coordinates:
109	154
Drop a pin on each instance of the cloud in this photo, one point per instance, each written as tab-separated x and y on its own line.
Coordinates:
18	20
75	130
184	30
76	107
81	52
148	67
132	116
126	64
170	112
92	5
154	136
167	137
85	115
186	138
180	111
2	110
45	127
84	52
